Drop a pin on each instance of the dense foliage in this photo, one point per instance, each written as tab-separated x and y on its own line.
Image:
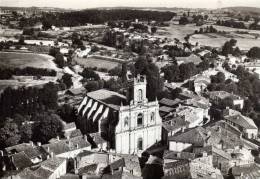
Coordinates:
6	73
28	100
96	16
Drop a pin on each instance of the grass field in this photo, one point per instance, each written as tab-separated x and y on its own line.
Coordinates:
21	60
244	41
96	62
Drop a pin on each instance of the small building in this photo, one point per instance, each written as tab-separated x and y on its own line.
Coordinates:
218	96
245	124
190	59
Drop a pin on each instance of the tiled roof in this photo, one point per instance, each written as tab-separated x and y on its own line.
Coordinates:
88	169
169	102
194	136
75	133
18	148
174	124
69	126
131	162
66	145
251	171
97	138
222	95
178	155
110	98
166	109
242	121
70	176
52	163
117	164
21	160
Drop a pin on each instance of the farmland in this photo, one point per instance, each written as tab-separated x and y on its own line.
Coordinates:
245	41
21	60
97	62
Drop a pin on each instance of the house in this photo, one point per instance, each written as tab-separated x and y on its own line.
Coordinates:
67	148
246	171
244	124
52	168
68	128
190	59
98	141
201	83
185	140
27	152
218	96
200	167
135	122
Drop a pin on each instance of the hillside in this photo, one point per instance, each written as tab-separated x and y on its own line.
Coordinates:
244	10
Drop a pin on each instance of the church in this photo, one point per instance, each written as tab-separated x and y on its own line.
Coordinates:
129	123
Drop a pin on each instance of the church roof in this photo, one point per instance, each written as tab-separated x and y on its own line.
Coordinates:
110	98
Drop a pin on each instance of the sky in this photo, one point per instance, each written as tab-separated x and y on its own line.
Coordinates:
82	4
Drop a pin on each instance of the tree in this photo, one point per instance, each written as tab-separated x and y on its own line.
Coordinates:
187	70
26	132
48	96
171	73
228	47
67	80
21	40
50	126
183	20
204	65
94	85
218	78
67	113
153	29
9	134
254	52
59	60
90	74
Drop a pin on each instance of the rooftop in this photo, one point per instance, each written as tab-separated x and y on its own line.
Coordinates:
110	98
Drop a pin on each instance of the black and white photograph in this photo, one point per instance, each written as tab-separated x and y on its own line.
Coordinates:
129	89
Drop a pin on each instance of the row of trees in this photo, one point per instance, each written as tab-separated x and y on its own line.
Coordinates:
7	73
96	16
43	127
177	73
208	29
231	23
29	100
248	88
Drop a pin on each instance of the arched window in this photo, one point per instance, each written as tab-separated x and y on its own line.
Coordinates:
152	117
140	119
140	144
140	95
126	122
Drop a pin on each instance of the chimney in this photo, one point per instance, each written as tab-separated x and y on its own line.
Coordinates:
39	144
48	149
1	153
52	154
58	138
31	143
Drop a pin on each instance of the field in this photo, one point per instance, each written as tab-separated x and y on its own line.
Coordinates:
244	41
21	60
96	62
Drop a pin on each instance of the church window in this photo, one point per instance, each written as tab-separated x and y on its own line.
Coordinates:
126	122
140	144
140	119
140	95
152	117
